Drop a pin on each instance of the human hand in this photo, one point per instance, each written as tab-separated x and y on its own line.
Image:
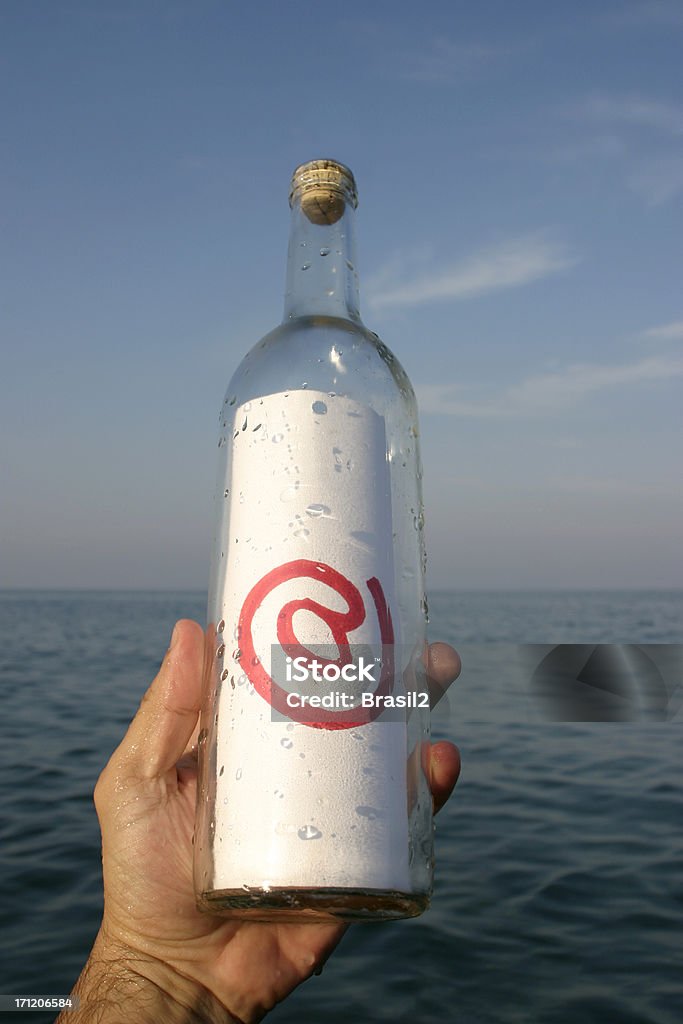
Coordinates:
156	956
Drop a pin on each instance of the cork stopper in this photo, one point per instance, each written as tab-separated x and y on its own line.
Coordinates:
325	187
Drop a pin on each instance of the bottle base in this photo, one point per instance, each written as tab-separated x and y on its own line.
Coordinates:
316	905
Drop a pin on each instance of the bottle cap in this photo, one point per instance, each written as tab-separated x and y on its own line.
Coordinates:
325	187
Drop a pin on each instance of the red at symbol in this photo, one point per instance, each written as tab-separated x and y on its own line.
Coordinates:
340	625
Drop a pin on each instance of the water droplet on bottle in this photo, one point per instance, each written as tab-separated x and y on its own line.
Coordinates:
277	438
325	251
319	408
221	626
238	774
302	533
226	492
371	813
315	511
220	651
256	661
278	793
224	675
222	769
309	832
350	265
305	266
236	654
257	427
232	400
286	743
244	425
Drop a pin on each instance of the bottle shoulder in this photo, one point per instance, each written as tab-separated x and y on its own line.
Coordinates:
321	353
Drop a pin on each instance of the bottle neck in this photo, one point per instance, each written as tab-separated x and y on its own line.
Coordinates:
321	267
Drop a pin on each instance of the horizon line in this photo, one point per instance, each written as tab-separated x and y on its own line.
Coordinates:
554	588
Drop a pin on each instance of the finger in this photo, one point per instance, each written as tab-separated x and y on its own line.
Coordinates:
443	667
444	769
191	751
168	714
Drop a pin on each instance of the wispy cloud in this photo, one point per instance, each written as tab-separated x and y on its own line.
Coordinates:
447	60
605	146
658	181
509	264
665	332
550	392
645	14
641	132
636	111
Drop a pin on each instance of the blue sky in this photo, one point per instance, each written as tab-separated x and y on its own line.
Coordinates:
520	172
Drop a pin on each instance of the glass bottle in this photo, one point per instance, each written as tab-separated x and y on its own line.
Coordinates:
310	811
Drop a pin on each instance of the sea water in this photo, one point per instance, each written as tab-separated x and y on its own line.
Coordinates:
559	878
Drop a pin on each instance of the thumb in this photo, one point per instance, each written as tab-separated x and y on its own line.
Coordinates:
168	713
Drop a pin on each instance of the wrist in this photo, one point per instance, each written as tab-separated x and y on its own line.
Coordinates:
119	983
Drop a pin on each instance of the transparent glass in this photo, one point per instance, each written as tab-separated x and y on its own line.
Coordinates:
319	534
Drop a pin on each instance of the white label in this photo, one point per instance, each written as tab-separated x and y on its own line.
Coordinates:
310	536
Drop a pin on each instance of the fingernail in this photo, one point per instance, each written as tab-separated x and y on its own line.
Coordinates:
174	636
